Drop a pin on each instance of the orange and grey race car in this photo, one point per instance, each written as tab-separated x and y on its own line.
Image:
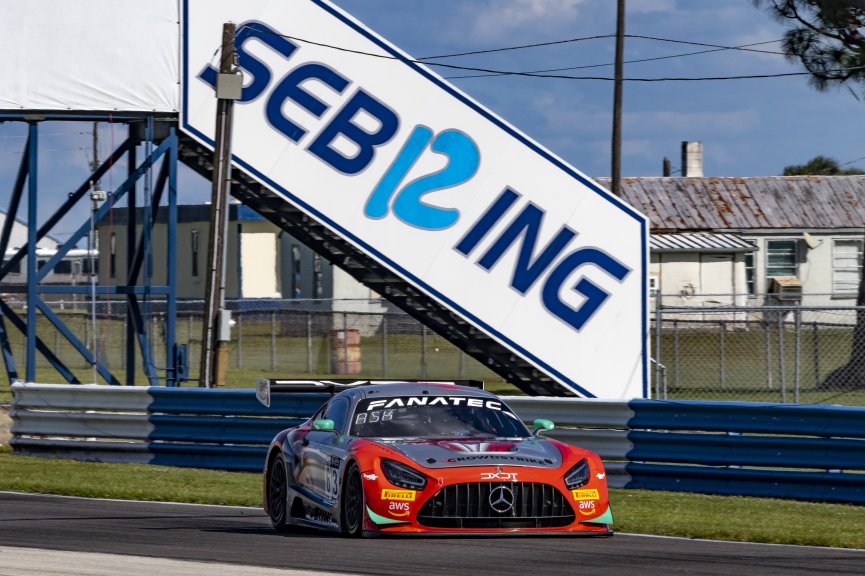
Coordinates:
428	457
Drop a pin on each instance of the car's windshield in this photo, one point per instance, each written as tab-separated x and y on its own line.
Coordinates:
441	416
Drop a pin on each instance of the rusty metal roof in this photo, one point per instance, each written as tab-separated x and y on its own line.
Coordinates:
714	204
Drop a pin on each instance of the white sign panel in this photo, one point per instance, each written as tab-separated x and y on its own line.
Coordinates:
432	185
86	55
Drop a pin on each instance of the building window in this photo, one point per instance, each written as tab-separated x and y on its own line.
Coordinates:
846	264
296	285
63	267
112	256
90	265
781	258
16	269
317	285
653	286
193	243
750	272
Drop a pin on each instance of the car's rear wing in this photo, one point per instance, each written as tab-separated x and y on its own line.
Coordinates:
265	387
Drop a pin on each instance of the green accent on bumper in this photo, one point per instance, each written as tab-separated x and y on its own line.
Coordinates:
605	518
381	519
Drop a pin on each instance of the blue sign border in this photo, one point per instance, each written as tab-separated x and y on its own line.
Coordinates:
396	267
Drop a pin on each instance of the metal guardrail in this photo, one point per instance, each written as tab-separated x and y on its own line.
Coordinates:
780	450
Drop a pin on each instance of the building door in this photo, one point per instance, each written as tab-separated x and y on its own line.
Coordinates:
717	279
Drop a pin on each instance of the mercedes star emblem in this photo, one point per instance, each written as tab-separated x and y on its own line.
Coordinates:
501	499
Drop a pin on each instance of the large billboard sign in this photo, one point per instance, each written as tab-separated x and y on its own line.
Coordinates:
431	184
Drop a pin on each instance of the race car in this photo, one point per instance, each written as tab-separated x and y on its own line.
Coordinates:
427	458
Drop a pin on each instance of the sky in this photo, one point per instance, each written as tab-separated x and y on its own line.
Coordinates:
748	127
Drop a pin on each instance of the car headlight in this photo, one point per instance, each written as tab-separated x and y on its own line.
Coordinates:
402	475
578	475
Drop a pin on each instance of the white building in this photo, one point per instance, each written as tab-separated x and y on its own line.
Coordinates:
746	236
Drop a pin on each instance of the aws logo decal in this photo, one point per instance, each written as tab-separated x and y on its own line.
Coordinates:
399	509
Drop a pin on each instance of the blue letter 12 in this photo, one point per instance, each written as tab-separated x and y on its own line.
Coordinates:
407	203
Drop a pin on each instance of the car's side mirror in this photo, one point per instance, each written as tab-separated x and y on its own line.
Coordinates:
323	425
542	425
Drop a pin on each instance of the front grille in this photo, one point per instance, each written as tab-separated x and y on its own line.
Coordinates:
535	505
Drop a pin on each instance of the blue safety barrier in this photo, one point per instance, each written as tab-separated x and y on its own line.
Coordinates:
807	452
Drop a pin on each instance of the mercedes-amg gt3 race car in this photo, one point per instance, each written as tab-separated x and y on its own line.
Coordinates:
428	457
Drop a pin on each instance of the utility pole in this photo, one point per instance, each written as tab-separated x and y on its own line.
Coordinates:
216	332
94	165
617	100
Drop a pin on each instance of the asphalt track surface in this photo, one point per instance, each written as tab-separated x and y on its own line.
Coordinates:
237	537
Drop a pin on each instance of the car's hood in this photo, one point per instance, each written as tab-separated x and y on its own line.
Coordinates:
449	453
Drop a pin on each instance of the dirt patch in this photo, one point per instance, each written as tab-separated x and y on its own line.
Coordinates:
5	425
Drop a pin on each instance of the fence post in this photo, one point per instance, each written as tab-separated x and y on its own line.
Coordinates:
658	298
309	342
676	353
384	362
239	339
273	340
122	347
462	364
423	351
723	354
798	355
781	357
345	341
816	342
767	330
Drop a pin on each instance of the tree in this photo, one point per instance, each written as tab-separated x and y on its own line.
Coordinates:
826	37
820	166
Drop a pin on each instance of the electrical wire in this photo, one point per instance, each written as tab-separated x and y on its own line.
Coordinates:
520	47
584	67
744	47
550	76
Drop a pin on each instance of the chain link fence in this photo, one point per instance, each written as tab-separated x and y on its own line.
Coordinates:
277	338
780	352
764	353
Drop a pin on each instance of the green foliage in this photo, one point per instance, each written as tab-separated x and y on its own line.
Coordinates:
825	36
820	166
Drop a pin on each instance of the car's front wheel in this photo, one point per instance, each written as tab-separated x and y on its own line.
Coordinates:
277	486
352	503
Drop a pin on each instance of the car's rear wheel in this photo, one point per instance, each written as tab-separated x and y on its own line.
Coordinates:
277	486
352	503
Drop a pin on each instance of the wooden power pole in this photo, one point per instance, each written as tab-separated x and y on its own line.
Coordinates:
617	101
216	332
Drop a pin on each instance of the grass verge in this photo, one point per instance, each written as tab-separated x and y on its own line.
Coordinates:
638	511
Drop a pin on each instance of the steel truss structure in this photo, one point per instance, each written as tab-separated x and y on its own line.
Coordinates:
160	144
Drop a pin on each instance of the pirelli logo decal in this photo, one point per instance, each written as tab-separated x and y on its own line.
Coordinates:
590	494
404	495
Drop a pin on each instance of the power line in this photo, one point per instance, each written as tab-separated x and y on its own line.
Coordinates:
520	47
668	57
535	75
853	161
744	48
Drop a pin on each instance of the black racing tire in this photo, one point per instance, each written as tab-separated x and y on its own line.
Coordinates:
277	489
352	503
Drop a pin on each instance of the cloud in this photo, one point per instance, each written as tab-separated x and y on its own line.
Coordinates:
648	6
499	19
719	122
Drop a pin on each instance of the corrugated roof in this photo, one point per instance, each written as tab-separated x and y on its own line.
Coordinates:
810	202
699	242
